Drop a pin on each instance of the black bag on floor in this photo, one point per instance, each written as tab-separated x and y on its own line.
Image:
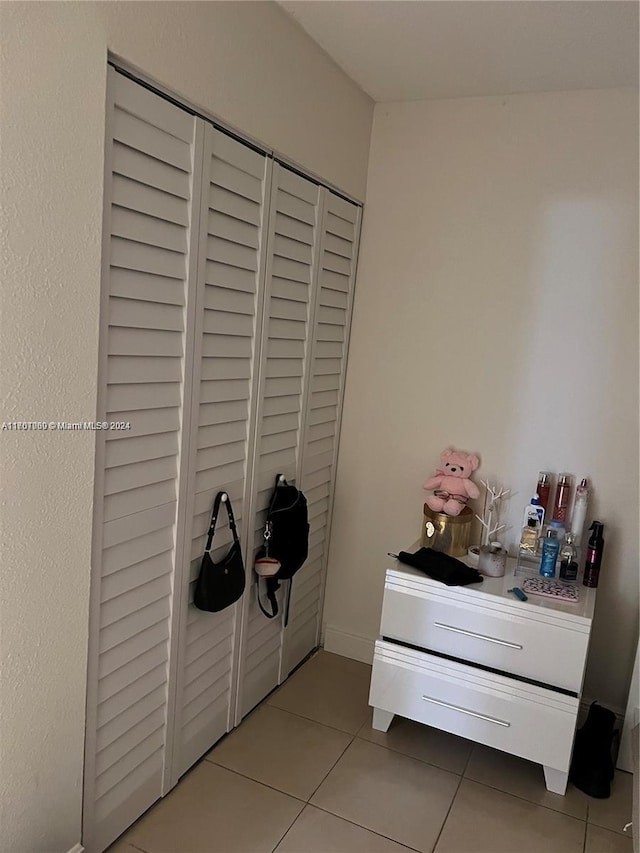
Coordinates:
592	764
286	543
220	584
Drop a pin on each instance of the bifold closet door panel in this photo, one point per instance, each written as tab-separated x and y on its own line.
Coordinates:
292	256
228	314
152	163
327	368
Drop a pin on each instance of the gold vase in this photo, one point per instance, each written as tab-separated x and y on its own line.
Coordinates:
447	533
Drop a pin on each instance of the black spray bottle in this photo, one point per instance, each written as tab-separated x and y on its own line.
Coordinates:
594	555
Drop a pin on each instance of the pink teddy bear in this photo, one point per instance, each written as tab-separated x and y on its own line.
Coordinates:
452	485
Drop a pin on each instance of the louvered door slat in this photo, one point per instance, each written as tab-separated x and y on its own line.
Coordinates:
229	273
144	228
146	287
292	256
147	170
144	315
152	155
289	226
131	255
135	195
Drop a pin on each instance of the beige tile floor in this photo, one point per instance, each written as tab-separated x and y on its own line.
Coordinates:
306	773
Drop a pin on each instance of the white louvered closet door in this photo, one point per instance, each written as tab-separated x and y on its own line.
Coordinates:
151	179
229	301
292	254
327	367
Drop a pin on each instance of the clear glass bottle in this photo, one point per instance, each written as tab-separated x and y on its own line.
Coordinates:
529	537
580	510
544	489
562	499
558	527
569	559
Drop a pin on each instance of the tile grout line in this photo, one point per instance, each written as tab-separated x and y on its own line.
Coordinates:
360	826
311	720
517	796
584	839
257	782
407	755
524	799
289	828
331	768
619	832
468	761
446	817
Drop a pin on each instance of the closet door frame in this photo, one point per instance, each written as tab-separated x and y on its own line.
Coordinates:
91	717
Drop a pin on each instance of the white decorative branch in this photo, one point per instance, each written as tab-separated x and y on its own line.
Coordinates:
490	529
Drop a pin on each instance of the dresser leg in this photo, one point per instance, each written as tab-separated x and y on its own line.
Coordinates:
382	719
556	780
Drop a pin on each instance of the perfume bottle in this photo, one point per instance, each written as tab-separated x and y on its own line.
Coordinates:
580	510
544	489
568	559
529	537
563	496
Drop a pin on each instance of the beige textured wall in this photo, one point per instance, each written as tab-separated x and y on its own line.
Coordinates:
247	63
497	310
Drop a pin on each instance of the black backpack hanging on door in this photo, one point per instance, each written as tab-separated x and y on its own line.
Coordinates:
286	543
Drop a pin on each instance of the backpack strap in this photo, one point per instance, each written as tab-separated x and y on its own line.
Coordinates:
286	612
272	586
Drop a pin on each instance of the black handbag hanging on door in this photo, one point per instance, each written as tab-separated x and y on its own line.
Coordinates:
220	584
286	544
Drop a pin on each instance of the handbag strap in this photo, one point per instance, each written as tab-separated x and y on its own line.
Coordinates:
214	518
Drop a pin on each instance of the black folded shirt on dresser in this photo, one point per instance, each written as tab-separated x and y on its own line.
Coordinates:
441	567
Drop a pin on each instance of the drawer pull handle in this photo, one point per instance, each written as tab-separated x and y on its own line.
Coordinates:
478	636
466	711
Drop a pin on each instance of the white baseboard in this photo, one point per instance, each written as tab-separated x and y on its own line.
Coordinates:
348	645
77	848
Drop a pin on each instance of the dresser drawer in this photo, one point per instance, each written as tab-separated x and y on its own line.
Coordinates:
525	720
513	638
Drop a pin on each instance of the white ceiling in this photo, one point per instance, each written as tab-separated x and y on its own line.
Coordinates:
400	50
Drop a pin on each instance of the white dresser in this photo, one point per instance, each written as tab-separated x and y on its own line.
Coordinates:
477	662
